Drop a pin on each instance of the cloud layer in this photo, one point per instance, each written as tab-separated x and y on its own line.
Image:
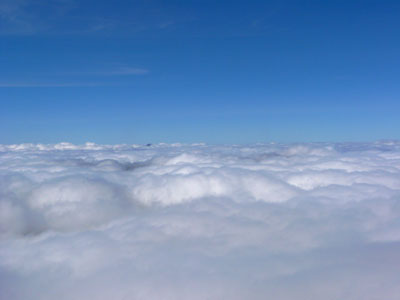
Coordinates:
299	221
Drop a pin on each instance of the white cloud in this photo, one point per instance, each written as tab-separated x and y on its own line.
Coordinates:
47	84
15	18
71	17
124	71
307	221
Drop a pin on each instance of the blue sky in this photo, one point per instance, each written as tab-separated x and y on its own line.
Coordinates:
199	71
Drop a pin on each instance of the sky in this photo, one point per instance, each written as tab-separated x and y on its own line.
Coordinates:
198	71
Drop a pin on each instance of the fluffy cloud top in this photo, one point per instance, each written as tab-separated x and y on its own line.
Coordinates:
265	221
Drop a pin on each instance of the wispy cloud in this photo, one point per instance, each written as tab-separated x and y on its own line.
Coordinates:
15	18
70	79
47	84
71	17
26	17
121	71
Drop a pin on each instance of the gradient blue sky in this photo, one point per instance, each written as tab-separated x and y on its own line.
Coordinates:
199	71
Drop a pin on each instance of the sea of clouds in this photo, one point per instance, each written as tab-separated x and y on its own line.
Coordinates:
173	221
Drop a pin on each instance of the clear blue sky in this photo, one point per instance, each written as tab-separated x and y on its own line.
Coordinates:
199	71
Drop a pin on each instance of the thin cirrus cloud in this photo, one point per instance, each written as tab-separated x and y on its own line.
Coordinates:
13	19
122	71
46	84
281	221
23	17
28	17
